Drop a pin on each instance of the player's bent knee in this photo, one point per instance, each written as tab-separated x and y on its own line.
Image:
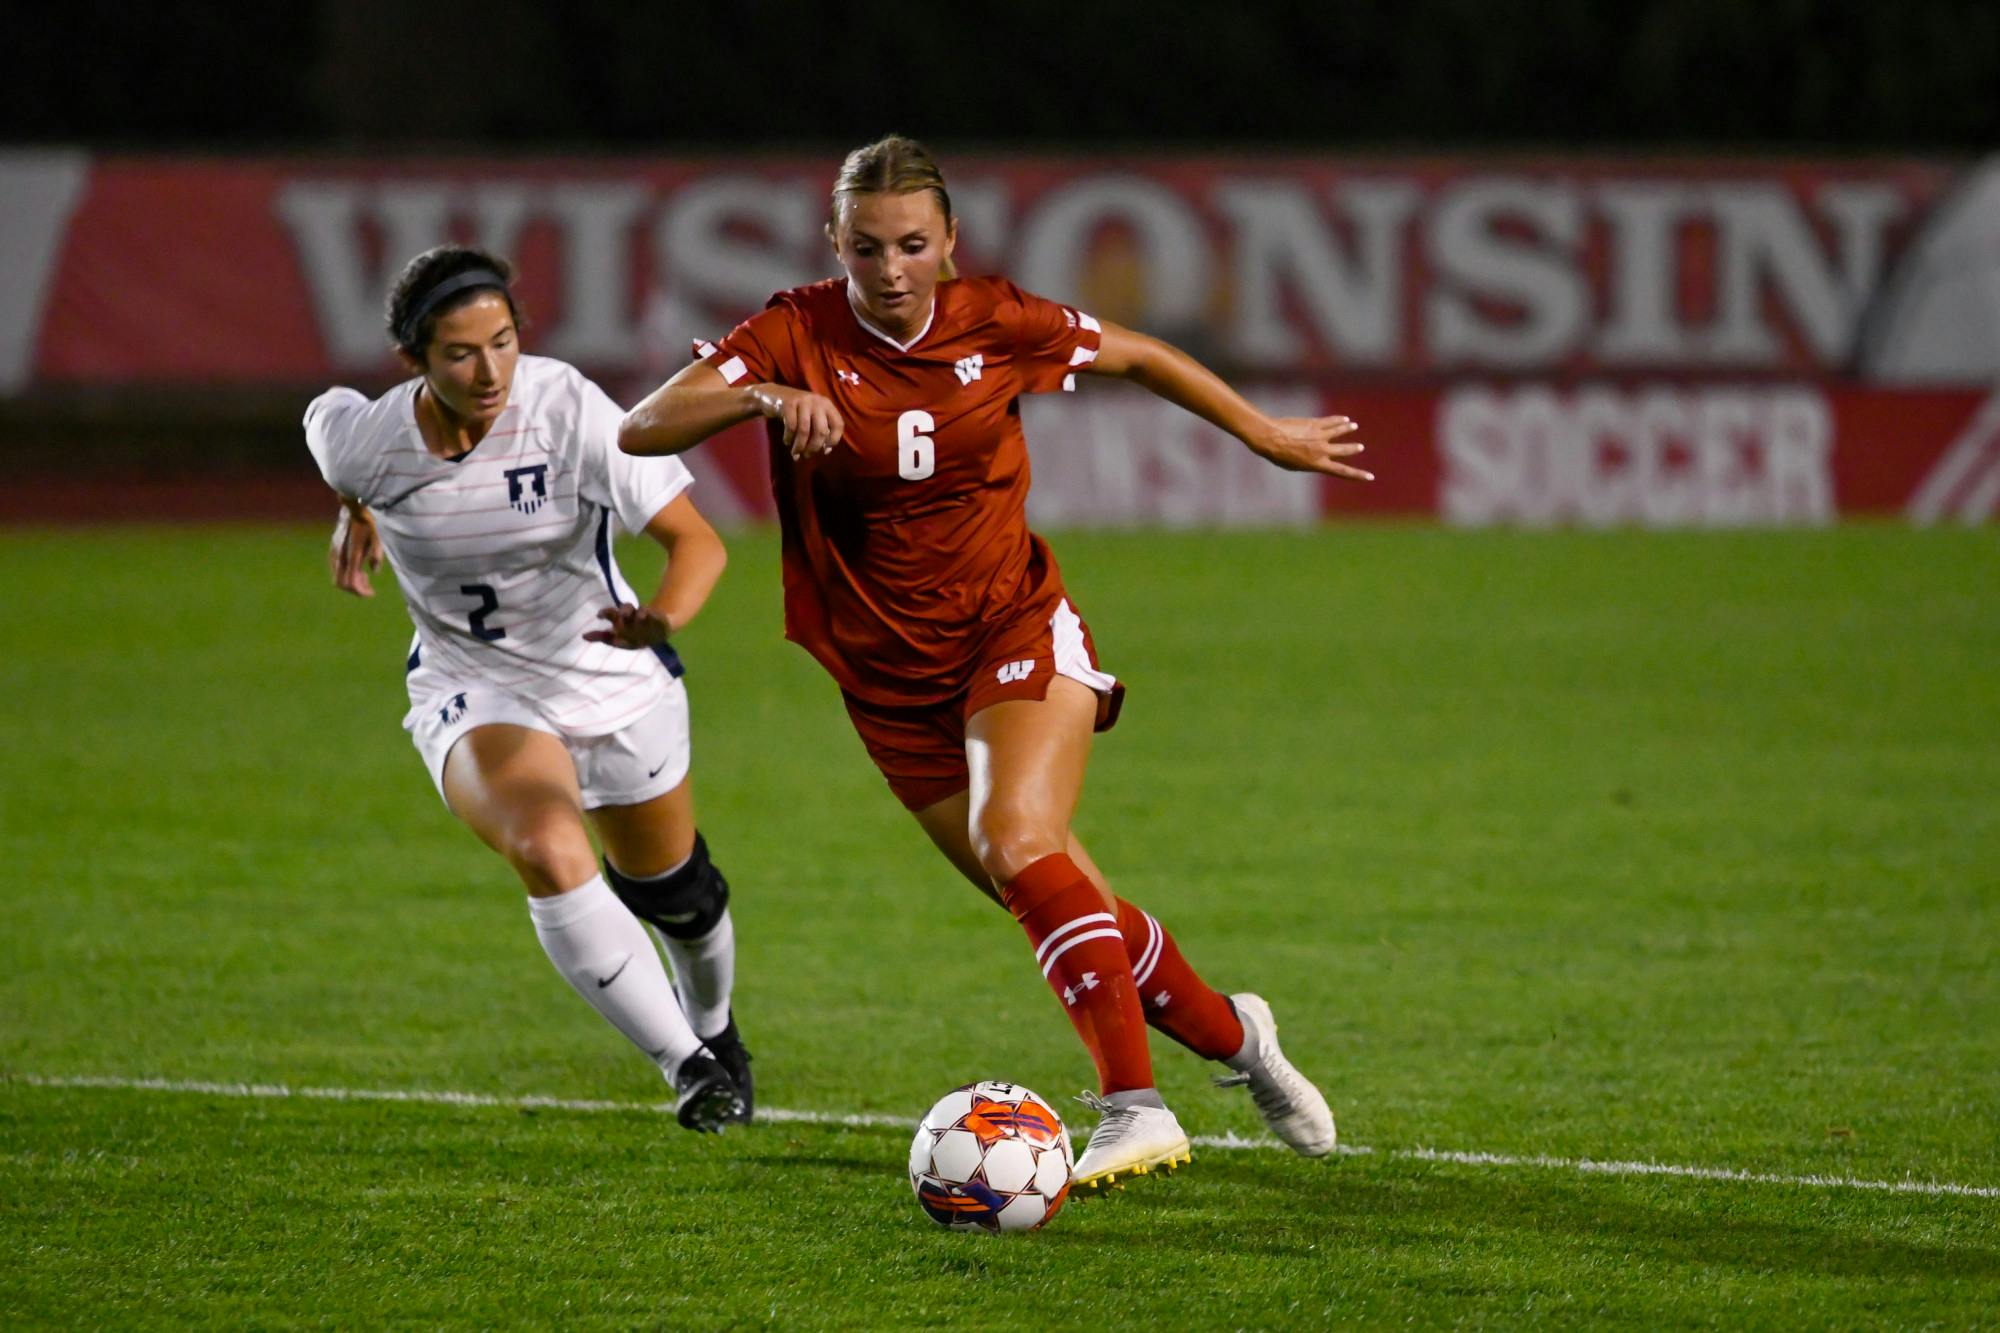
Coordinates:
550	857
1005	847
685	904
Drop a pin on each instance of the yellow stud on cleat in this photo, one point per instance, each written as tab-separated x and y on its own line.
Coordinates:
1097	1185
1129	1141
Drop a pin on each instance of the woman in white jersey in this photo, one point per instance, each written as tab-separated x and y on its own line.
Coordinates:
543	694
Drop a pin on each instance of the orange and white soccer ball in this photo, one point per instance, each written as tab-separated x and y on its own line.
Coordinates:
991	1157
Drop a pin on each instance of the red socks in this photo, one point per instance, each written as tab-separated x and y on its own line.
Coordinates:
1083	954
1117	974
1175	998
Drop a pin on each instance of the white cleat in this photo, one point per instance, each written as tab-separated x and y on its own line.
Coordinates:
1128	1141
1289	1103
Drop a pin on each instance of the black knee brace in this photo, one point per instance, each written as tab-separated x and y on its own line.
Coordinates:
685	904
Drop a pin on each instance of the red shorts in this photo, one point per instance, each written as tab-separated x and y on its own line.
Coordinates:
921	749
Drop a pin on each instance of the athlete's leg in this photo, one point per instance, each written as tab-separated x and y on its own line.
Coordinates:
660	866
516	788
1172	994
1026	758
948	825
651	838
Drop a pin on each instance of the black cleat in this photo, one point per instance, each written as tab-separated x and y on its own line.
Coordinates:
727	1047
709	1099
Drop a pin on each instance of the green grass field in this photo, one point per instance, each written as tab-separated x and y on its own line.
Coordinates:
1632	848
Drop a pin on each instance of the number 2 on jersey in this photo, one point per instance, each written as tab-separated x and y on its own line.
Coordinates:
489	602
916	453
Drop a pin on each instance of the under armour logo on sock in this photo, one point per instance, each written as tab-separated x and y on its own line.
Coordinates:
1088	981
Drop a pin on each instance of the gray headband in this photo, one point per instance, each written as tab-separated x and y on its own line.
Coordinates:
436	296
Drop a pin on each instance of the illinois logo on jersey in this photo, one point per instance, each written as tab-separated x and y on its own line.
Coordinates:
527	487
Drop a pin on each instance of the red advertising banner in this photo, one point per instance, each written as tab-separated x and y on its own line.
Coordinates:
1665	455
1526	341
239	271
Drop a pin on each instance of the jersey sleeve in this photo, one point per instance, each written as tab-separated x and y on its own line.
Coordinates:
332	443
1051	341
634	489
763	349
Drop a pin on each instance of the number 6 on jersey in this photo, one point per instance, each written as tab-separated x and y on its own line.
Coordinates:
916	454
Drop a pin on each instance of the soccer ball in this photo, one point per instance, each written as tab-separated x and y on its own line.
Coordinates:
991	1157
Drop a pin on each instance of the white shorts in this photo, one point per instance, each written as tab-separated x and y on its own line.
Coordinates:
644	759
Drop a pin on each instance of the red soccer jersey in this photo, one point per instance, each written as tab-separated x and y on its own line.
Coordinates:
907	545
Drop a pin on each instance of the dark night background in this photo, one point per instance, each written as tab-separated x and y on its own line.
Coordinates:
589	75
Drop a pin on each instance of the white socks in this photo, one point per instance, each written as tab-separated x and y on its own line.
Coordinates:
603	951
704	973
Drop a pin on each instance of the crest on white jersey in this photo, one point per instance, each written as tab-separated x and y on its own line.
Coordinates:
528	487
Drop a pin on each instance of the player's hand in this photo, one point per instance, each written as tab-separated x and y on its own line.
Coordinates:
630	627
1311	444
812	423
356	550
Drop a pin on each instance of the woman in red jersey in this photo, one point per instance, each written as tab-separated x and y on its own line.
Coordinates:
901	476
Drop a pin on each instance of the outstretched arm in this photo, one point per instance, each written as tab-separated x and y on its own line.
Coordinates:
1299	444
695	557
698	402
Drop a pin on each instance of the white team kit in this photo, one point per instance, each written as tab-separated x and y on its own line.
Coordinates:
504	559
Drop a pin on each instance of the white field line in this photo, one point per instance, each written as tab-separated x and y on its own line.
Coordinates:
879	1120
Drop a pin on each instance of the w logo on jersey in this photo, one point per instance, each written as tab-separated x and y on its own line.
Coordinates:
1014	671
968	367
528	497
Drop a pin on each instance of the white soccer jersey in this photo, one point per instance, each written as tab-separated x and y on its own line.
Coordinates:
504	556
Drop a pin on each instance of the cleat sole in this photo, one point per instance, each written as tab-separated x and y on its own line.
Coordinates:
1095	1186
710	1113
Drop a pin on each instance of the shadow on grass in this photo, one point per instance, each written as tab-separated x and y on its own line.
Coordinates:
1753	1230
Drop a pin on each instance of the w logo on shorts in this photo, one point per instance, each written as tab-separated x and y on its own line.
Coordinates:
968	367
453	710
1014	671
